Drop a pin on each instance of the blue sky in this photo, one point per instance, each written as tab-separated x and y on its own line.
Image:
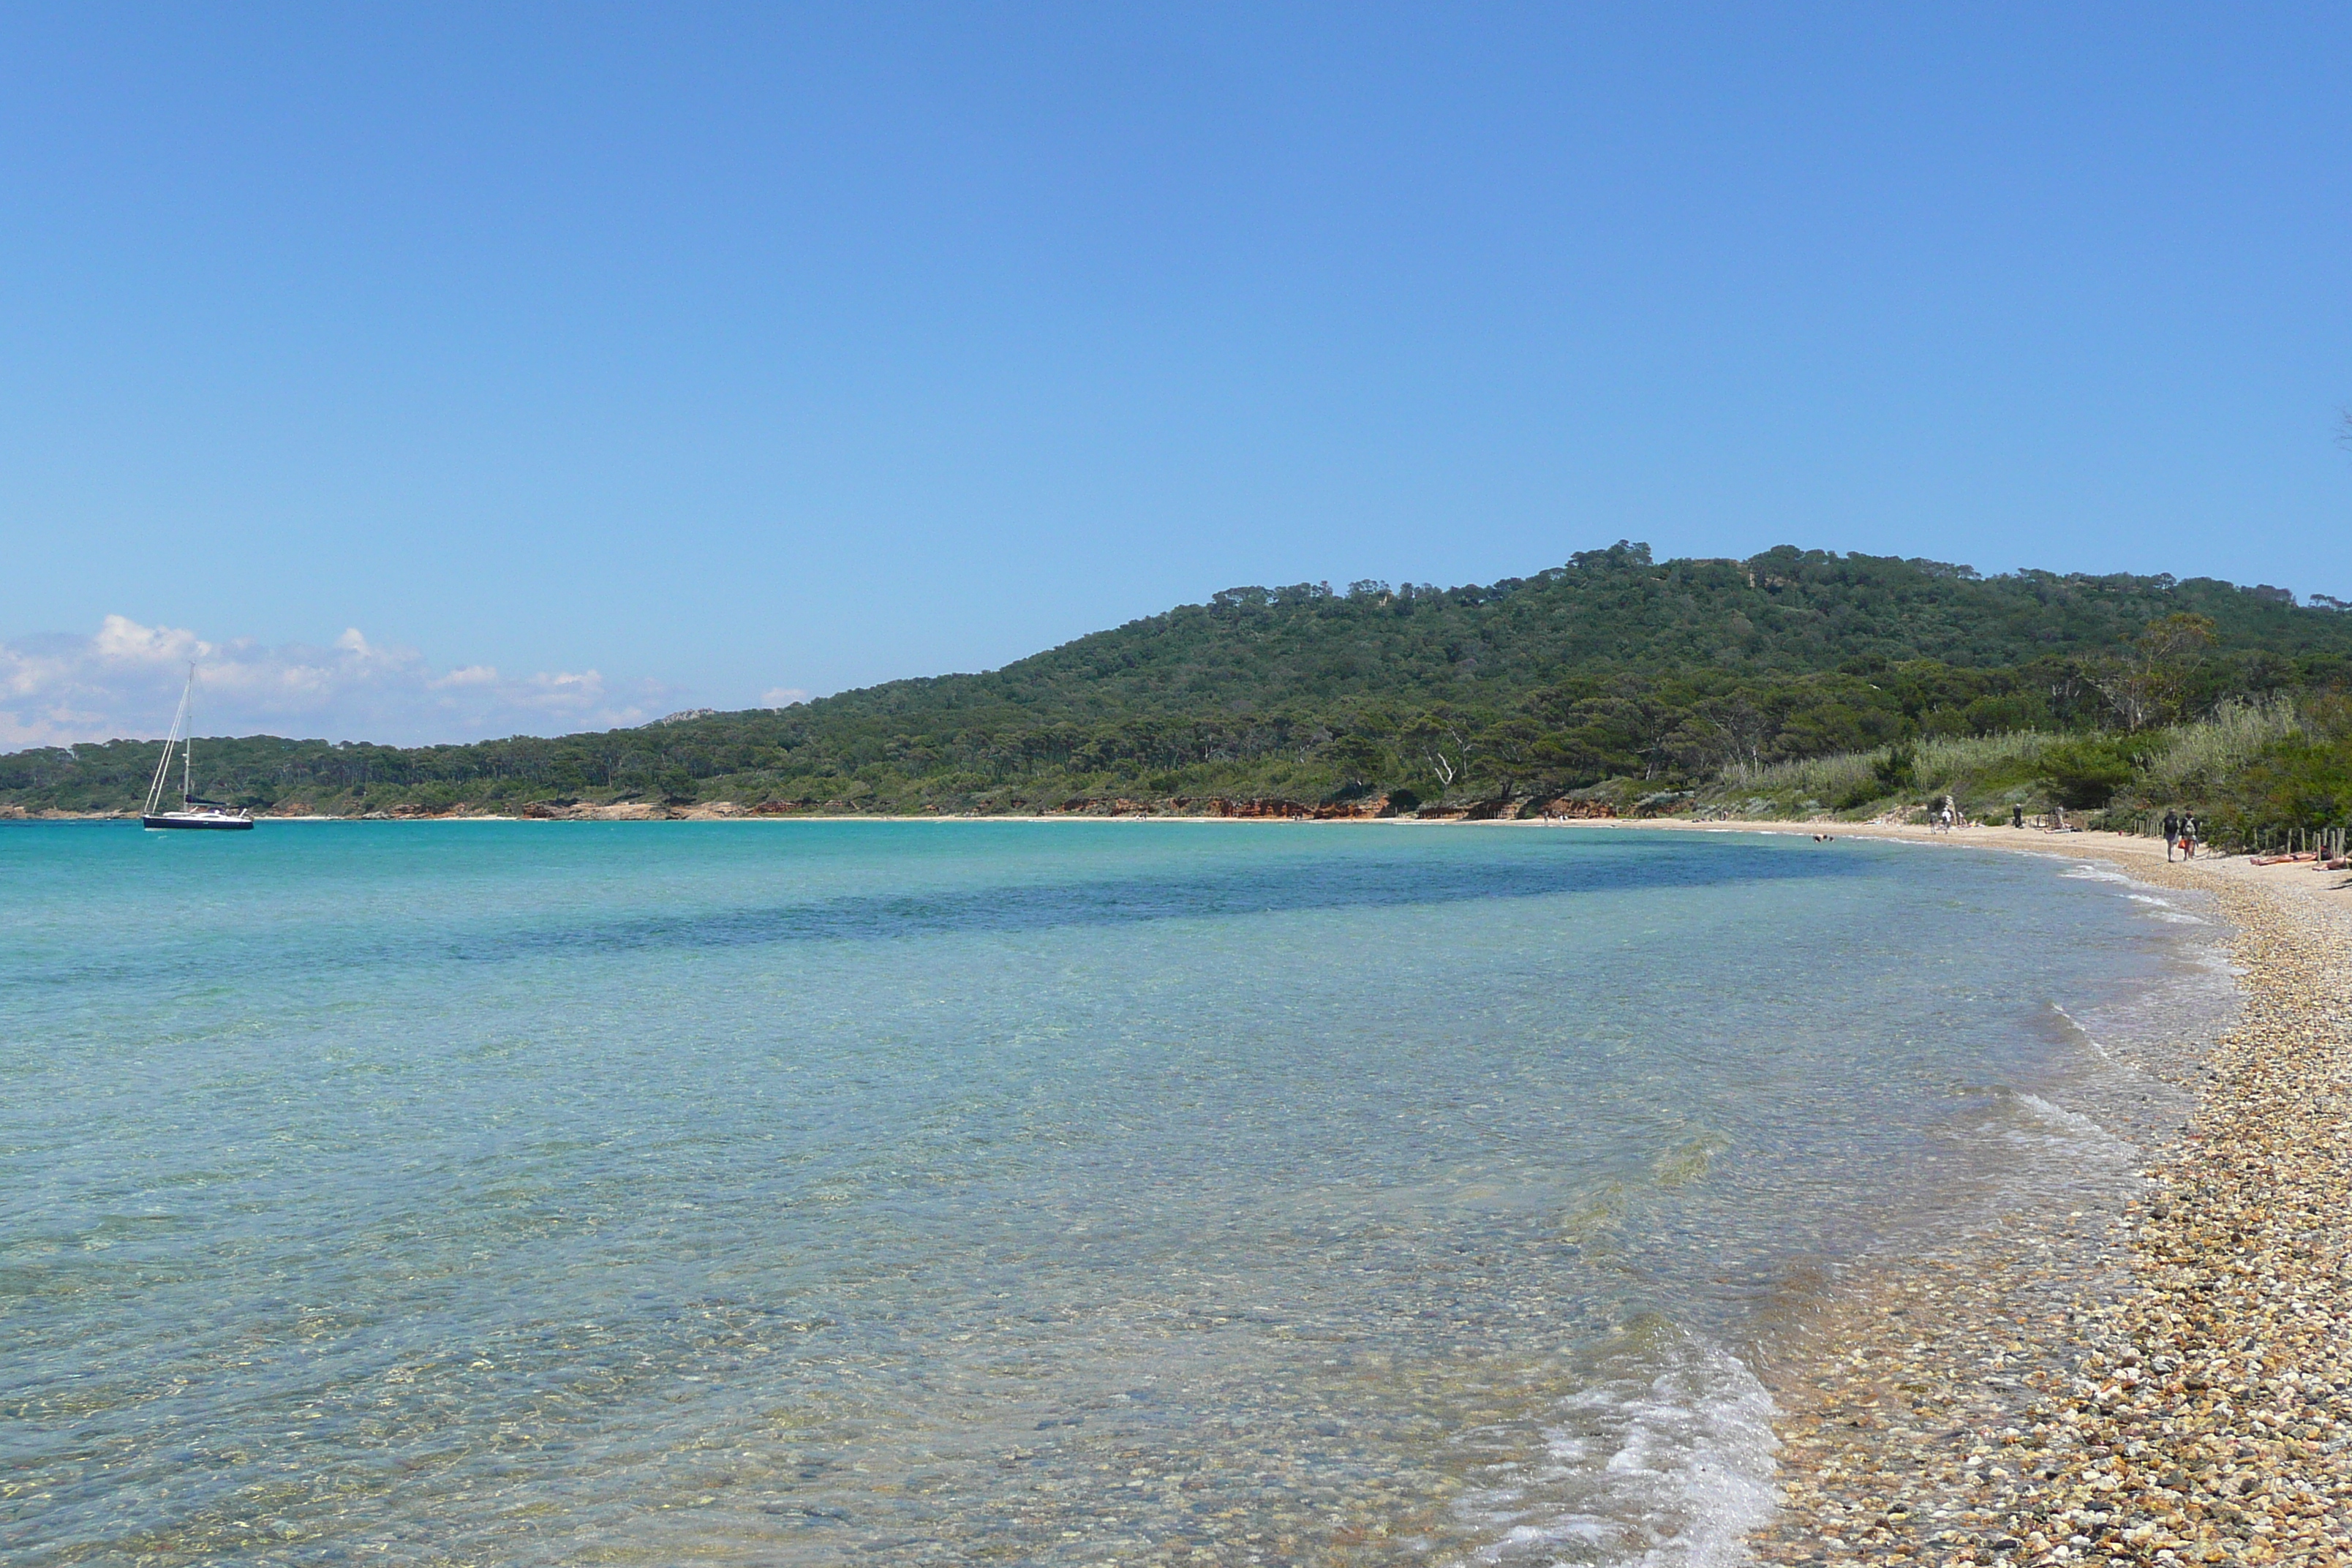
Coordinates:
454	371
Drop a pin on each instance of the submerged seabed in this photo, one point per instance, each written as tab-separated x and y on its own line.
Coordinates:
823	1193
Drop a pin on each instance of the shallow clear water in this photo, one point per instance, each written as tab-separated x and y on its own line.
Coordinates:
957	1191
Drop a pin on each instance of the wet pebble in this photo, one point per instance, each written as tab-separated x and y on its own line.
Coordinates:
2170	1386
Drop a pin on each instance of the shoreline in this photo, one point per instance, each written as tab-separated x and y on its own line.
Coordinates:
2167	1385
722	811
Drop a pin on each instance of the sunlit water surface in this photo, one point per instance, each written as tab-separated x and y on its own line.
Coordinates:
810	1192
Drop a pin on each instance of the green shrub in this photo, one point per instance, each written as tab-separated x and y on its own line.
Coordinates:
2295	783
1859	795
1895	771
2083	774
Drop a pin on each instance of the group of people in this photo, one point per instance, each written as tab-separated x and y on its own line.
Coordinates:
2179	833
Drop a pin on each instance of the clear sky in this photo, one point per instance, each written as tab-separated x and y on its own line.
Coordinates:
450	371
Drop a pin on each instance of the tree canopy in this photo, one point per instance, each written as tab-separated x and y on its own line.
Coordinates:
1614	666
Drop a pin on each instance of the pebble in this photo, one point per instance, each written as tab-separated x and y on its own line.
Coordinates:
2170	1386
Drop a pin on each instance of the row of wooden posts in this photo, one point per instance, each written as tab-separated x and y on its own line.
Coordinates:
2329	842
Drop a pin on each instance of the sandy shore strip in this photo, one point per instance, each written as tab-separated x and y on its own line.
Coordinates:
2170	1386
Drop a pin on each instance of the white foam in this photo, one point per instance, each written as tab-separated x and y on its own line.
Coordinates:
2088	1038
2163	909
2071	1124
1688	1477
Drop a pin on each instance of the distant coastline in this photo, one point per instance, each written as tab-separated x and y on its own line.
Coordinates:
1204	809
1790	684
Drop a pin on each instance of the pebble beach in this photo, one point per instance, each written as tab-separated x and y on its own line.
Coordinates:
2172	1383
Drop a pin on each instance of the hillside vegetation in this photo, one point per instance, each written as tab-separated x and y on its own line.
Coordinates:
1613	678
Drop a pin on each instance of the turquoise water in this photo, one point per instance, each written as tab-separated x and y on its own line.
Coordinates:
812	1192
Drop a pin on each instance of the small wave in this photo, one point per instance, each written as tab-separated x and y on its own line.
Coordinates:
2164	910
1668	1464
2088	1038
2082	870
2074	1127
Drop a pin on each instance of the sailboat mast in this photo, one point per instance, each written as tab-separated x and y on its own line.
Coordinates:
188	741
164	763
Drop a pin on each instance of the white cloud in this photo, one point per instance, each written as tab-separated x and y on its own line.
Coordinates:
59	689
781	697
122	640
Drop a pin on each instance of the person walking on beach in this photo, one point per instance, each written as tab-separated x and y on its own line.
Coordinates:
2017	819
2171	832
2187	838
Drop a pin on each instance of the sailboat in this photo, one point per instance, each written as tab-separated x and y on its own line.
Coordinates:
194	811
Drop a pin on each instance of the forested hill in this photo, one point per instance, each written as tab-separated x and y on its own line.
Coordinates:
1786	612
1614	666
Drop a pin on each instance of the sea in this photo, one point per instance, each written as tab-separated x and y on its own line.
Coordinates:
967	1191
